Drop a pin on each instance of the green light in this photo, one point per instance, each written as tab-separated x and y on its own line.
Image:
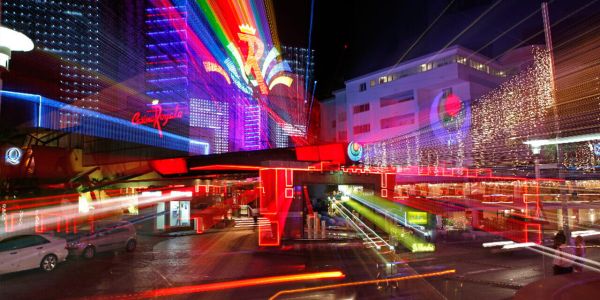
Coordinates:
405	237
417	217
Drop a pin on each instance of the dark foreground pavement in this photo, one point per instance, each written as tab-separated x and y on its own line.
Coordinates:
227	255
575	286
161	263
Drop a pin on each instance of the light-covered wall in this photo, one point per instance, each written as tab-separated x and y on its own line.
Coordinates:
426	77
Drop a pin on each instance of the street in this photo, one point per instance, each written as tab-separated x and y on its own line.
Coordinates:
231	254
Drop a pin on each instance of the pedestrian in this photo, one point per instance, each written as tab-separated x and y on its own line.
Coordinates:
579	251
255	215
561	263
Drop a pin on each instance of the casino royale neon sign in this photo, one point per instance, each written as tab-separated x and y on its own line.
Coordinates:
157	117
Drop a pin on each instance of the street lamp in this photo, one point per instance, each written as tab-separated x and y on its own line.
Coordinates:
12	40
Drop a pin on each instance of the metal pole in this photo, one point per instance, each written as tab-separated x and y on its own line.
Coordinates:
306	73
563	196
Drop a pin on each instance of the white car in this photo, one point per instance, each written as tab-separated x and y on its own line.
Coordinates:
30	251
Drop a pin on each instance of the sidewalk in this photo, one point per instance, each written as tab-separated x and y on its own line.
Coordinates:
565	287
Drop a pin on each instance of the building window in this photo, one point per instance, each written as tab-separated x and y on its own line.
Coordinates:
373	83
342	135
361	108
342	116
396	98
362	87
333	124
425	67
397	121
364	128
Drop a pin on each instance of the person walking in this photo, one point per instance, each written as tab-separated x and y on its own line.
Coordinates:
579	251
255	215
561	263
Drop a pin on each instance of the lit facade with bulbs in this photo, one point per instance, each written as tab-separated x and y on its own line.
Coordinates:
240	97
402	112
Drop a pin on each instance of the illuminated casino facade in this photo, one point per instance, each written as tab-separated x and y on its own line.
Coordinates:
225	74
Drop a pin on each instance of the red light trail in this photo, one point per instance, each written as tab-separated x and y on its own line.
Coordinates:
367	282
190	289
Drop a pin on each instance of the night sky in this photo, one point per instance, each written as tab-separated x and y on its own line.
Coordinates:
355	37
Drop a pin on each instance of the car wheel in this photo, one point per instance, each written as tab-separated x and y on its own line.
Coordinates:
49	262
131	244
89	252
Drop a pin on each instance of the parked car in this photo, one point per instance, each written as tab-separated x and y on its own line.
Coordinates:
24	252
106	236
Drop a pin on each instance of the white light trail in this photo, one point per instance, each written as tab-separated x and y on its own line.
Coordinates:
495	244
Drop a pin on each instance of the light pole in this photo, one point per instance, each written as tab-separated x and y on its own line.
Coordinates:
563	196
11	40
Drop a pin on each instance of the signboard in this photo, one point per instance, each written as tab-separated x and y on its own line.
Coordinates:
450	117
157	117
13	156
355	151
417	217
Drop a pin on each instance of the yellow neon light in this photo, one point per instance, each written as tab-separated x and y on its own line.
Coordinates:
212	67
285	80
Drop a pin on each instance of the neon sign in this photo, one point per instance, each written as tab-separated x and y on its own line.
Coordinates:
450	117
13	156
423	247
417	217
157	117
256	49
213	67
355	151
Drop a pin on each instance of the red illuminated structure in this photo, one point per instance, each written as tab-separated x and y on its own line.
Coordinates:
280	176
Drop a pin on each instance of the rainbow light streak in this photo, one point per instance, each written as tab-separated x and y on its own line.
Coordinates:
214	32
366	282
93	123
235	36
190	289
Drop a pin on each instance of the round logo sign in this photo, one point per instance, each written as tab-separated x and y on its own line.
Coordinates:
597	149
13	156
355	151
450	117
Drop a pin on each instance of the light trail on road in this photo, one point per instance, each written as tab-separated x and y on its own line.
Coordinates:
191	289
366	282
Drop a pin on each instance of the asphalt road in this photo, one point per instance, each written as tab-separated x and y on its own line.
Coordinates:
232	254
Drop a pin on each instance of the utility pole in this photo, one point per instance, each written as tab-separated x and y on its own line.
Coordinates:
563	195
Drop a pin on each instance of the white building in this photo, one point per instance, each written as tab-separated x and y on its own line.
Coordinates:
397	101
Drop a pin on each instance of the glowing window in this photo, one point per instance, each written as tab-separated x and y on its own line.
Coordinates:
361	108
359	129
